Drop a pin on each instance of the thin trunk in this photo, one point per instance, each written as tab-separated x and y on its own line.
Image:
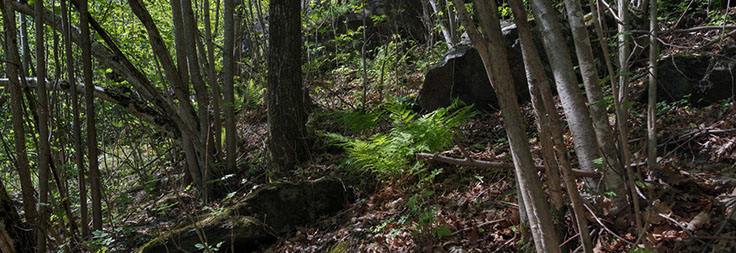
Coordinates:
227	71
652	107
537	77
25	47
200	88
184	94
76	124
216	94
43	130
613	170
573	103
89	102
623	139
13	61
623	56
548	121
440	12
530	187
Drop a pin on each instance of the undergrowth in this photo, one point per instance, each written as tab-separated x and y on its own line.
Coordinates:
389	155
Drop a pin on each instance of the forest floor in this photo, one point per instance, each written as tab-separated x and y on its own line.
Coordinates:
466	209
477	207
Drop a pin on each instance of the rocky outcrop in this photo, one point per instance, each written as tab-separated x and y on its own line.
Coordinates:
701	79
270	211
460	74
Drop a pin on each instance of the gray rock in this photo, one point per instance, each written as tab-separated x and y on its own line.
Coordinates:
461	74
701	79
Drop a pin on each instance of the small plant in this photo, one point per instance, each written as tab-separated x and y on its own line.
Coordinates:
101	241
209	248
389	155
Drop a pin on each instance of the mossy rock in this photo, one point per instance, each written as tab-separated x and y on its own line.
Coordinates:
256	220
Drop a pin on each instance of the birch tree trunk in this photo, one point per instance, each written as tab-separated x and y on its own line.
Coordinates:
573	103
530	187
549	120
613	169
440	12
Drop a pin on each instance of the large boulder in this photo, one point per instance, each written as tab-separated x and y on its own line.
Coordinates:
460	74
268	212
701	79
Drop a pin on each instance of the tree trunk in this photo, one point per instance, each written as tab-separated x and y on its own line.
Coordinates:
613	170
12	59
89	103
573	103
286	114
195	76
181	57
623	56
535	78
217	97
548	120
14	235
530	187
76	124
440	12
231	135
43	130
652	107
25	47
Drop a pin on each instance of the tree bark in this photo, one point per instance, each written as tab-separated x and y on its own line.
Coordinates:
25	47
623	55
530	187
216	94
43	130
613	168
535	77
89	103
14	236
12	65
231	135
440	12
76	125
573	103
195	76
193	162
548	120
652	106
286	114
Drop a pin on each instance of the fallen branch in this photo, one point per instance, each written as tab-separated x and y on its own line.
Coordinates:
493	165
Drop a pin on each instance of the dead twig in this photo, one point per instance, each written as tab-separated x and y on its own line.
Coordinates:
606	228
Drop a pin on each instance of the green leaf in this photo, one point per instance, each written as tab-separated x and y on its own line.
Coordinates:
598	161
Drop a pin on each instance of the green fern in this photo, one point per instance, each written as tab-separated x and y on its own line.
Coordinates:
389	155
